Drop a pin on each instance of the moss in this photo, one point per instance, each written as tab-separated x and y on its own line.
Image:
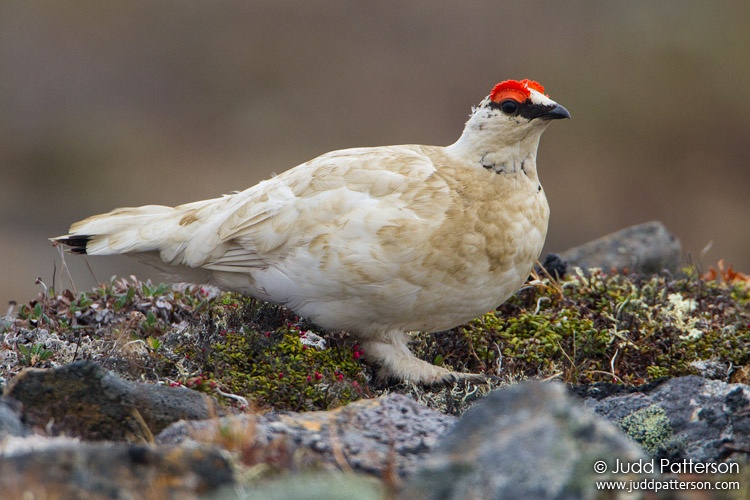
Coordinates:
268	356
589	328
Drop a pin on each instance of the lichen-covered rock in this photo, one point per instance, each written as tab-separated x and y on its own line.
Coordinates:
84	400
532	440
103	471
387	435
699	419
650	427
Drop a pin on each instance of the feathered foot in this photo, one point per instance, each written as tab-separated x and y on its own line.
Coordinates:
398	362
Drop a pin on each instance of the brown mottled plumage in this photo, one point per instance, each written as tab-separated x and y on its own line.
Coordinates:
374	241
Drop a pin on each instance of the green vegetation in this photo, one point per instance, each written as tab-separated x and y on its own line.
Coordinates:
30	356
586	328
223	344
622	328
266	354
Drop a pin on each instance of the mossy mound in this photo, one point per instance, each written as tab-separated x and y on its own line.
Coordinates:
592	328
270	356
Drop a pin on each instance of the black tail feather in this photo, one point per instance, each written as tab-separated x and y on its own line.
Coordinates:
77	244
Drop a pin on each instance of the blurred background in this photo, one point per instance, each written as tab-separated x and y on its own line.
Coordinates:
125	103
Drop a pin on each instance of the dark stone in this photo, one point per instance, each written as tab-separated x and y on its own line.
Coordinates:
647	248
10	418
553	265
87	470
532	440
84	400
601	390
707	420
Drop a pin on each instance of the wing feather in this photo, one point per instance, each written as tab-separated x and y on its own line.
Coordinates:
360	188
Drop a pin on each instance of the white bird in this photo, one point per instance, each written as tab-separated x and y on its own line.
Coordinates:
376	241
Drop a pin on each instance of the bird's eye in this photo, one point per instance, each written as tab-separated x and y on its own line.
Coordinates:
509	106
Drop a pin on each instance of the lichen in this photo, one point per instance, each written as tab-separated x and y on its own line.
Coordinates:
650	427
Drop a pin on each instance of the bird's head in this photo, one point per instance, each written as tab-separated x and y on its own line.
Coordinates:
525	99
514	115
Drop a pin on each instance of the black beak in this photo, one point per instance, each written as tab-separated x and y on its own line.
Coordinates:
551	112
555	113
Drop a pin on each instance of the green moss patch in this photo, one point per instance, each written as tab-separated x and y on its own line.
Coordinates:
592	328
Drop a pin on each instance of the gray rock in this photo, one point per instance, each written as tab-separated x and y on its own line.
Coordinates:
86	401
703	420
317	486
119	471
10	418
646	248
387	435
532	440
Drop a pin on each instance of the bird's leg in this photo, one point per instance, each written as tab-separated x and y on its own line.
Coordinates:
396	361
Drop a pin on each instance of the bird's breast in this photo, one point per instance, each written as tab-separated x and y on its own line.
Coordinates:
493	232
493	222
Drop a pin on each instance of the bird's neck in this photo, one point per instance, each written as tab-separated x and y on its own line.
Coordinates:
484	144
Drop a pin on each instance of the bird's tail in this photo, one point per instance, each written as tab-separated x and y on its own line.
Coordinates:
121	231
